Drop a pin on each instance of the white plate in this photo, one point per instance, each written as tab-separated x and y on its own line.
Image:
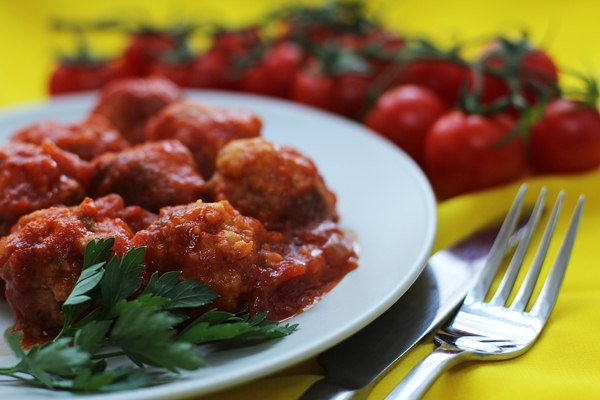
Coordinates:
383	198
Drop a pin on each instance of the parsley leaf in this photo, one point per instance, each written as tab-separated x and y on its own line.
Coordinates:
182	294
219	325
104	318
146	335
122	278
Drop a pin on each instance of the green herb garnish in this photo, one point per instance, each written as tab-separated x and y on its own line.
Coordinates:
108	315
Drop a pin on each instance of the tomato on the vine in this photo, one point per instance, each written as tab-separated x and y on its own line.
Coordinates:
445	77
219	67
343	94
179	72
235	43
77	76
404	115
325	23
212	70
566	138
177	65
274	73
466	152
145	48
336	80
532	71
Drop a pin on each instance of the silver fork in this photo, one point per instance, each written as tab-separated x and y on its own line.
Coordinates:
492	329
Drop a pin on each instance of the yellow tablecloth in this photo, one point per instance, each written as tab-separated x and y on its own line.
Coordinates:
566	361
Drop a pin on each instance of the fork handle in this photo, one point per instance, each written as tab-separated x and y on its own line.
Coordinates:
326	390
422	376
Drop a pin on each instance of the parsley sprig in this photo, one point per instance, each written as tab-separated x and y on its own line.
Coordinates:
108	314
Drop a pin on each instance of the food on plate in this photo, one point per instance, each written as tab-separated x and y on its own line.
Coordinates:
203	129
246	264
275	184
303	265
129	103
41	259
210	242
262	231
113	206
88	139
34	177
151	175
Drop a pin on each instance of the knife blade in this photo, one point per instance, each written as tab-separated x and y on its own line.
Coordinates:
353	366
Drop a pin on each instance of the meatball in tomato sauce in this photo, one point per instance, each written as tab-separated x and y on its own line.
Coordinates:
112	206
203	129
248	266
301	267
34	177
41	260
209	242
151	175
88	139
129	103
275	184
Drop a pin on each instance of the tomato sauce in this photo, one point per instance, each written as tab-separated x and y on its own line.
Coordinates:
196	185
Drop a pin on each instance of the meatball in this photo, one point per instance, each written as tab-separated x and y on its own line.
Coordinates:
275	184
42	257
209	242
244	263
301	268
88	139
151	175
203	129
34	177
112	206
129	103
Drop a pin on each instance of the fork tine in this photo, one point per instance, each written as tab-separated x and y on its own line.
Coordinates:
508	281
547	298
498	250
524	294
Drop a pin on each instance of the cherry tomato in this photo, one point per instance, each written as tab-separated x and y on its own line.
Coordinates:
235	42
71	77
275	72
566	138
378	46
464	153
218	67
144	49
445	77
404	115
344	94
213	70
178	72
535	71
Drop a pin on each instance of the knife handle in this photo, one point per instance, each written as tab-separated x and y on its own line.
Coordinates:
325	390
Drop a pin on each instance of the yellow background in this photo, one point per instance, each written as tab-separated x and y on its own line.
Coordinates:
566	362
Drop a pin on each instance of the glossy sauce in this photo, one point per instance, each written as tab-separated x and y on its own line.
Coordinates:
195	184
